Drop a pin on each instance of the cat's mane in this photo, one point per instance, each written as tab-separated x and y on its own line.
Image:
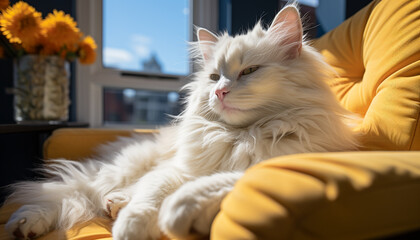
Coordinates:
315	122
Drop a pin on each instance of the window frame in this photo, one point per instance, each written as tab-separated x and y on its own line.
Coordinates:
92	79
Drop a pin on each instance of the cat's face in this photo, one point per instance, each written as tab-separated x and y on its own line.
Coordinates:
244	75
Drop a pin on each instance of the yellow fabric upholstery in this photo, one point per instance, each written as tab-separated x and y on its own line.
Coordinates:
82	143
94	230
355	195
376	54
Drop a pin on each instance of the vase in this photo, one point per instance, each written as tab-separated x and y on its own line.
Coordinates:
41	88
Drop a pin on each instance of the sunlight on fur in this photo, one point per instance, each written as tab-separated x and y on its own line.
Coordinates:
256	96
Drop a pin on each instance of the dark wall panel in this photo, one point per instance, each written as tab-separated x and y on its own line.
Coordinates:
246	13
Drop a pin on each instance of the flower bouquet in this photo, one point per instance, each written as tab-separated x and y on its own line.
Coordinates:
41	49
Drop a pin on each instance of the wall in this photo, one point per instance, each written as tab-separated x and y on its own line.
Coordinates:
237	16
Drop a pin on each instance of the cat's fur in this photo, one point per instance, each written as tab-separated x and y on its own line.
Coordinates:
175	181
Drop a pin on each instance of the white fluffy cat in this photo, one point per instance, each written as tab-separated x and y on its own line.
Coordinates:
257	95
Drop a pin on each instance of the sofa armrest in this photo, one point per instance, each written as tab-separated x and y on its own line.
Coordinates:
355	195
76	143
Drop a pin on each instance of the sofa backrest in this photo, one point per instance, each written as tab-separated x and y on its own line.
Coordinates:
376	54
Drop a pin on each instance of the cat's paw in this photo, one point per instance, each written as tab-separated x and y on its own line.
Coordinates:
184	215
135	223
29	222
114	202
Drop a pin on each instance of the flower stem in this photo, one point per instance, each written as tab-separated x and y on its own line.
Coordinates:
10	51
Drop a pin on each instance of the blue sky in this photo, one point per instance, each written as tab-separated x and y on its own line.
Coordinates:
135	29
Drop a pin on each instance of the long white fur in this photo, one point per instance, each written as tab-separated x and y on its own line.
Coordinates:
285	107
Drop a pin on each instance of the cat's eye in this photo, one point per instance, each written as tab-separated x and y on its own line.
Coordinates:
214	77
249	70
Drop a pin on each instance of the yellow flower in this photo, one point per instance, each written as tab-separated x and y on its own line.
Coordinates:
87	54
4	4
60	32
21	23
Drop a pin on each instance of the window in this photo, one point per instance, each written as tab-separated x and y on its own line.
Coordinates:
138	59
140	107
144	36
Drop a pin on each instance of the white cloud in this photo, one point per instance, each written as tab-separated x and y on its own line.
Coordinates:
141	50
141	45
116	56
186	11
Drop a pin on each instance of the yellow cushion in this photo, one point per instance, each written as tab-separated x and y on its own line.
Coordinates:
357	195
77	144
97	229
376	54
93	230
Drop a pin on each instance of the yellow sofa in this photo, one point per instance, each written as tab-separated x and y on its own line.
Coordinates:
352	195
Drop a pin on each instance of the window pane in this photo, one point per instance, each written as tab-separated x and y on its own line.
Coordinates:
147	36
140	107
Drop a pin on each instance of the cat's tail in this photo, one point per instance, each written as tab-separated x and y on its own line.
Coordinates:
67	197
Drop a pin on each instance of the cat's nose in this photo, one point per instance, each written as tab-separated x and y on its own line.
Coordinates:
221	93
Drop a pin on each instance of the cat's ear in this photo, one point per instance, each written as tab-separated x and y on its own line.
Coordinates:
206	41
286	29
